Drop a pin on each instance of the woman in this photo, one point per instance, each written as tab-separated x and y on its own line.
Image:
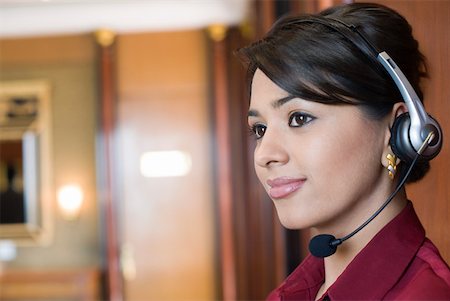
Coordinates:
322	109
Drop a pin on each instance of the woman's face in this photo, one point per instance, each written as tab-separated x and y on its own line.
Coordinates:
320	164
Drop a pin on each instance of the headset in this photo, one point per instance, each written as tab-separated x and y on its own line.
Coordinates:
415	135
410	129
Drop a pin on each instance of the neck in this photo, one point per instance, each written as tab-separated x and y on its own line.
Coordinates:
346	252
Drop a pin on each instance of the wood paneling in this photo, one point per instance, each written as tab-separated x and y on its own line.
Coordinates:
167	224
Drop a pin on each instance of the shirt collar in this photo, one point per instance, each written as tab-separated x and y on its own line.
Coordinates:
305	281
379	265
372	273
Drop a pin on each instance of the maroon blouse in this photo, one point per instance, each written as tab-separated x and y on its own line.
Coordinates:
399	263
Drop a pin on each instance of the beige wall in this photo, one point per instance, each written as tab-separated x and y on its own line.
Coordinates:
168	222
68	63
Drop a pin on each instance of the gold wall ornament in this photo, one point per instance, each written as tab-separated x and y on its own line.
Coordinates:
105	37
247	30
217	32
392	165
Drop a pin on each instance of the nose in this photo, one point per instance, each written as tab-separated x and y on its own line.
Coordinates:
271	150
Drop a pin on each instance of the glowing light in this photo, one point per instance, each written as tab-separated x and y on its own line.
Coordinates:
70	199
165	164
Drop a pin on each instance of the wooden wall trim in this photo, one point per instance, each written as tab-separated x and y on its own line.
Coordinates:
105	159
224	188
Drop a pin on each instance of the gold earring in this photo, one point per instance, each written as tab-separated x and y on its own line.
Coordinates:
392	167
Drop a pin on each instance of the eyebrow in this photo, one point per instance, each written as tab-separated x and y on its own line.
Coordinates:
279	102
275	104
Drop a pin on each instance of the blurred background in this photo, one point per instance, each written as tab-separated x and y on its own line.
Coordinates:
123	139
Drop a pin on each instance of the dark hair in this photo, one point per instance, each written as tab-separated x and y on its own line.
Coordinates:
318	58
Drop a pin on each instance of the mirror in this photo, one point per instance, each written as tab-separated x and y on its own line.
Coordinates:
25	189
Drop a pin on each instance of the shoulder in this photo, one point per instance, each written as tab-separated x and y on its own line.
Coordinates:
427	277
430	256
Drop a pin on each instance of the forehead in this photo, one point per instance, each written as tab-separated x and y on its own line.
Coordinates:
266	94
263	88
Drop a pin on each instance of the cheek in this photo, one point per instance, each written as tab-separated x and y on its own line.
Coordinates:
347	159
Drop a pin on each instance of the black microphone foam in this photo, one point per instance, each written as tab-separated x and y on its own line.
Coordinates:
323	245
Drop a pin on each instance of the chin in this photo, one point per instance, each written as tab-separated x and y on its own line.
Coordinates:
294	215
292	222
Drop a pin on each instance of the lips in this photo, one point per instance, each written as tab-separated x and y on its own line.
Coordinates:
283	187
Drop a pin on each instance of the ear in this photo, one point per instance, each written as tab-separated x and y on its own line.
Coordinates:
397	109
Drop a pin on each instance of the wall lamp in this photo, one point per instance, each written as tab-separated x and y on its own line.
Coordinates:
70	201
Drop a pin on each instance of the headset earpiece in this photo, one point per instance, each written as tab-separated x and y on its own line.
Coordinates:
399	141
401	144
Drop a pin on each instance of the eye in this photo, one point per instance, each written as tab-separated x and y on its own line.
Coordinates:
258	130
299	119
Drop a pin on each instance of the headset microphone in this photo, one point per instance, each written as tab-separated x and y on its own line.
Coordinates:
324	245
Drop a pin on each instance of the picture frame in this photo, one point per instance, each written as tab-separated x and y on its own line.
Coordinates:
25	161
